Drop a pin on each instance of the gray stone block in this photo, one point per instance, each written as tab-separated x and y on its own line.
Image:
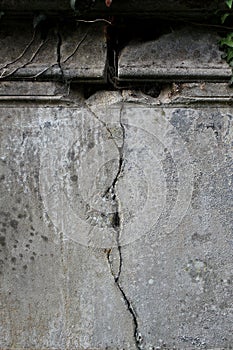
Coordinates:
187	54
116	222
78	53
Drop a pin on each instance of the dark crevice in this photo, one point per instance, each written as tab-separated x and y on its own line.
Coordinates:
126	30
137	336
119	173
111	189
117	225
116	220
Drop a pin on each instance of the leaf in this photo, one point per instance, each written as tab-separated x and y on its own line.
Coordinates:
229	3
228	40
224	17
229	56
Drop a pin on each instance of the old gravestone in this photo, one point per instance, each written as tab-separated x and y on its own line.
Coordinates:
116	208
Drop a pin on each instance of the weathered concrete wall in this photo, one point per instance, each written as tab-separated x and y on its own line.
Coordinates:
116	220
116	206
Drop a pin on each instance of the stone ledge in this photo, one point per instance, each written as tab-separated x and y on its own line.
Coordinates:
76	53
187	54
79	53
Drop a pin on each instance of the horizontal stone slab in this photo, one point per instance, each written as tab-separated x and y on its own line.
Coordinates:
78	53
187	55
32	92
22	88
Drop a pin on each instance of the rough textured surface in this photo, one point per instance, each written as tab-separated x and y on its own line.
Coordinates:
185	54
76	52
116	221
55	293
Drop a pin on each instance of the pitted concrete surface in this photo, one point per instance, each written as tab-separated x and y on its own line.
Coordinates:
116	222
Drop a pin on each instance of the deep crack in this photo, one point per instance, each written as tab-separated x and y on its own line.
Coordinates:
137	336
117	225
117	222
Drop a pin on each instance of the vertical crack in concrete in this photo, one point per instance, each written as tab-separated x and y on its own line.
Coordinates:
117	225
